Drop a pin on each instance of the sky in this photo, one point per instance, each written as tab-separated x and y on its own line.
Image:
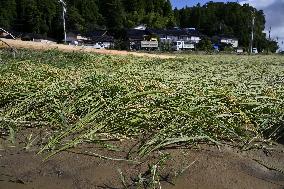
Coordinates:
273	10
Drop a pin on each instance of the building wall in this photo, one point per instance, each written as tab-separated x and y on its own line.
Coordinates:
107	45
170	38
235	43
195	39
44	41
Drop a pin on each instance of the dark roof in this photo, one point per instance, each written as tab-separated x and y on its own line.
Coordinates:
97	33
134	34
99	36
174	32
193	32
102	39
226	36
75	32
16	34
92	34
31	36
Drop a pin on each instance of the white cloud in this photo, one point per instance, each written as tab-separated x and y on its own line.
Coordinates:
274	13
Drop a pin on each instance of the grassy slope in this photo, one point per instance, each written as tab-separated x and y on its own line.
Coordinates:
88	98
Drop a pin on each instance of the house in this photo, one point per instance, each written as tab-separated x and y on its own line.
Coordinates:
193	35
173	35
37	38
166	35
99	39
135	37
142	37
75	38
180	39
221	42
229	40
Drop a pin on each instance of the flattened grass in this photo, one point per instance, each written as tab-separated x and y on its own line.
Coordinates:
92	98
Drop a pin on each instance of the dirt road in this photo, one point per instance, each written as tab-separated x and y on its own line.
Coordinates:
70	48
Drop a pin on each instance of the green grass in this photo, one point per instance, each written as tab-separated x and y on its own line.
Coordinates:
83	98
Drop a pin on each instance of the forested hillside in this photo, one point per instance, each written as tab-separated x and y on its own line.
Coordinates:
45	17
226	18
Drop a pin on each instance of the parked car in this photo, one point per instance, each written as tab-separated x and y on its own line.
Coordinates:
255	51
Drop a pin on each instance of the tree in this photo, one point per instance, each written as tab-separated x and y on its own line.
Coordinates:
7	13
215	18
113	13
272	46
205	45
75	21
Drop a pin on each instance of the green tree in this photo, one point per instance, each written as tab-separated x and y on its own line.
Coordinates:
205	45
113	13
7	13
215	18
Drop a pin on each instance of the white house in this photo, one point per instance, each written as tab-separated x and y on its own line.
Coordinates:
75	38
180	38
229	40
98	39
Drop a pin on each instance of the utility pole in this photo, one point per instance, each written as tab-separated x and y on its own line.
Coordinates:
63	18
270	33
252	32
269	39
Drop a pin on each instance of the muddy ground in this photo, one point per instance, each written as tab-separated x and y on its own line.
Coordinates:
199	167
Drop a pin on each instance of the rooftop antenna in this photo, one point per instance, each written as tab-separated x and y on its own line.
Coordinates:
63	17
